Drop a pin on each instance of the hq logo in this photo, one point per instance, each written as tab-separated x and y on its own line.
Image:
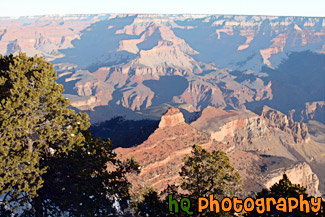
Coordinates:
261	205
184	205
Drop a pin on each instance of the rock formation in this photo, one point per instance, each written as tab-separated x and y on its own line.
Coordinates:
260	150
171	118
111	59
300	174
160	156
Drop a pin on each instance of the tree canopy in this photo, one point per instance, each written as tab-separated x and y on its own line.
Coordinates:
205	173
49	163
284	189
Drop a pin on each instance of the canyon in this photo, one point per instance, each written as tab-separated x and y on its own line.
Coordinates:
252	86
140	63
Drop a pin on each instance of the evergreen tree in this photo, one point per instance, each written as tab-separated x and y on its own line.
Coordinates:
206	173
34	121
150	204
202	174
89	181
284	188
49	164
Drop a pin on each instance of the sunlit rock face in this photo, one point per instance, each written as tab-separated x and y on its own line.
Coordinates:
171	118
300	174
260	148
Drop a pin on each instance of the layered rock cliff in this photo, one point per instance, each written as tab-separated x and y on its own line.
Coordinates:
252	142
160	156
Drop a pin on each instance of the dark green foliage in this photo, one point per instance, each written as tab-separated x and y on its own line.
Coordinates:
149	204
284	188
80	183
202	174
49	163
206	173
34	121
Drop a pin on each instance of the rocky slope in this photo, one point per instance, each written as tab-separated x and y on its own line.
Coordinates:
260	147
123	60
